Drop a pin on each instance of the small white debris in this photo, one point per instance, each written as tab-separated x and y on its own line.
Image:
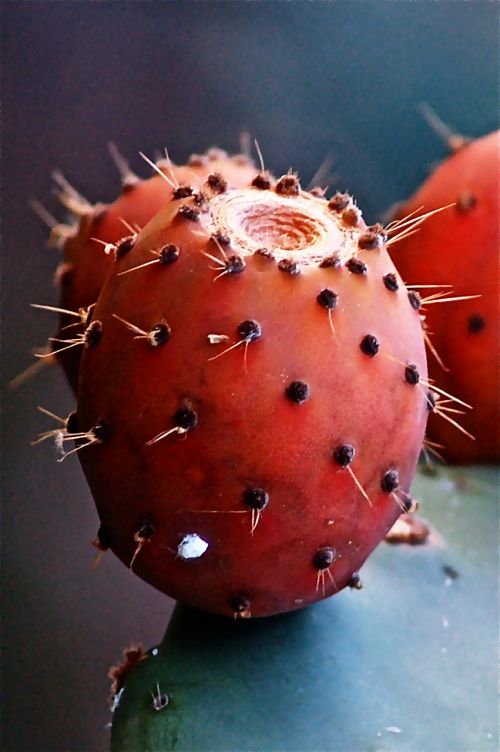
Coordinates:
191	547
446	623
154	651
116	699
444	650
216	339
400	530
298	601
58	441
393	729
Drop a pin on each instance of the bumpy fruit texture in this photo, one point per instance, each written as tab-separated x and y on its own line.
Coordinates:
86	263
399	666
253	389
459	247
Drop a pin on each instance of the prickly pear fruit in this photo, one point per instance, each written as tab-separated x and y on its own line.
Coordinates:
252	397
86	258
457	251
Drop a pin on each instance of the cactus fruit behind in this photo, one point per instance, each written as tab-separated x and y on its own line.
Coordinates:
271	401
86	248
457	252
407	664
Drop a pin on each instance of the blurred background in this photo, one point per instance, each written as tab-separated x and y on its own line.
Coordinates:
307	79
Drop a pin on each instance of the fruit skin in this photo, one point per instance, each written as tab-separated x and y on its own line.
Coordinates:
402	653
85	264
459	247
317	527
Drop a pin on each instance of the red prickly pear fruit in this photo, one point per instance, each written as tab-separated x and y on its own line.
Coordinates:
459	247
257	400
88	251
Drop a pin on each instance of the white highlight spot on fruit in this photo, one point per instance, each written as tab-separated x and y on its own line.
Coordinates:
191	547
216	339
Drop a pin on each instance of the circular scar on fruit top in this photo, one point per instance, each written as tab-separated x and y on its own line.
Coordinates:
298	227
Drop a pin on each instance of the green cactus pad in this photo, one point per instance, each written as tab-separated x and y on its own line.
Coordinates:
409	663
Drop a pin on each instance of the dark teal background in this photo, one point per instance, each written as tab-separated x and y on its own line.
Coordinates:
306	79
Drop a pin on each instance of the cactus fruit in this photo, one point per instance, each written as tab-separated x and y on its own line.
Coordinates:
457	251
86	258
401	665
252	397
